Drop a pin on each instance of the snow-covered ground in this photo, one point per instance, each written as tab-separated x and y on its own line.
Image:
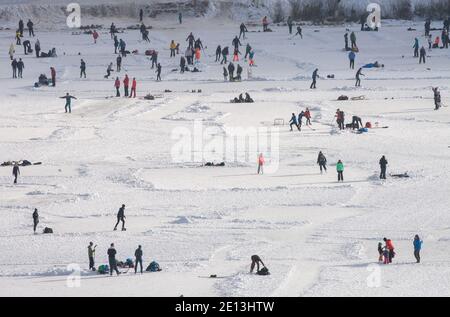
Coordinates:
318	237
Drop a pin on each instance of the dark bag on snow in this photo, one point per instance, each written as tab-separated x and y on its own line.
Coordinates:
48	230
263	271
154	267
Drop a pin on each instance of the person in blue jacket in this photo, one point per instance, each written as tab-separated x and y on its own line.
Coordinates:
417	247
352	57
416	47
294	122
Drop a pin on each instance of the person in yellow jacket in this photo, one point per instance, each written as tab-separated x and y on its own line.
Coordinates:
173	48
18	40
12	50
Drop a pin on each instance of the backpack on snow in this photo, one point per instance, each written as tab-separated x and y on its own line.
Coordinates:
48	230
264	271
154	267
103	269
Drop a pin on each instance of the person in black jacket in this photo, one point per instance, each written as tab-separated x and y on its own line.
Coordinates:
30	26
437	98
16	172
21	27
236	43
243	30
182	64
383	166
322	161
423	54
315	75
112	260
158	72
121	217
231	71
218	53
256	260
35	220
358	77
225	53
14	67
138	254
26	46
82	69
20	67
239	71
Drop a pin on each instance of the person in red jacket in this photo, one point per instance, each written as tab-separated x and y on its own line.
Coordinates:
390	248
53	74
308	116
126	84
117	85
133	88
95	36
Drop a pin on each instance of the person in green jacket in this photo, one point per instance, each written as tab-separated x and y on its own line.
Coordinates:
340	171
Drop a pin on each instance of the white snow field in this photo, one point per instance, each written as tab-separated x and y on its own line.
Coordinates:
318	237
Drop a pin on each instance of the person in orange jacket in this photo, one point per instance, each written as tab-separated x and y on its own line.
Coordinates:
95	36
261	162
173	48
117	85
198	55
126	84
390	248
133	88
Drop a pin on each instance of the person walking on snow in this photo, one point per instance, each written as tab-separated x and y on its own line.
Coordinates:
112	260
30	26
340	171
236	43
35	220
294	122
121	218
290	24
37	48
95	36
119	63
116	44
261	162
117	86
91	256
182	64
315	75
154	59
138	254
322	162
347	48
12	50
16	172
299	32
173	47
218	53
243	30
14	67
353	40
21	28
20	67
158	72
383	166
417	243
308	117
358	77
68	105
133	88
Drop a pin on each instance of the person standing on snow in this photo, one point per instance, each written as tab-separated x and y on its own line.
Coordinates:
116	44
14	67
358	77
248	49
427	27
347	48
16	172
352	57
322	162
383	166
315	75
82	69
30	26
173	47
353	40
53	75
390	248
91	256
119	63
380	252
141	15
290	24
308	117
95	36
138	255
416	47
180	18
243	30
158	72
225	53
437	98
340	119
11	52
294	122
117	86
182	64
265	23
191	40
21	28
35	220
261	162
236	43
417	247
37	48
154	58
112	260
423	54
218	53
231	71
20	67
133	88
225	74
68	105
340	171
126	84
121	218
